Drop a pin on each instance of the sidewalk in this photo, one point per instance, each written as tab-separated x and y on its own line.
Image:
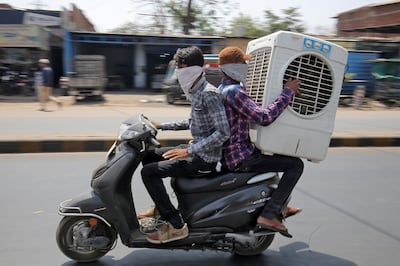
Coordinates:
92	126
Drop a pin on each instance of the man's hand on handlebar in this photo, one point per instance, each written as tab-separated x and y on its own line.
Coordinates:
156	124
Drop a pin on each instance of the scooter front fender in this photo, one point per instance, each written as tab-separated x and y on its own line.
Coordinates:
86	204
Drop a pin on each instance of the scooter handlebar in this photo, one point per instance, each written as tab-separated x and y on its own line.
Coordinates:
155	142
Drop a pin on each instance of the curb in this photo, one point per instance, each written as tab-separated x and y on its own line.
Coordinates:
365	142
99	145
45	146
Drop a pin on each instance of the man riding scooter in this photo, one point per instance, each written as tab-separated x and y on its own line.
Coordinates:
209	127
240	154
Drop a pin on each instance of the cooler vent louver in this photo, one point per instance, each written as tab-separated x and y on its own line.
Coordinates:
257	74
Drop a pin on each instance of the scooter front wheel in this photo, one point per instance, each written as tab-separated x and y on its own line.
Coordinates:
85	239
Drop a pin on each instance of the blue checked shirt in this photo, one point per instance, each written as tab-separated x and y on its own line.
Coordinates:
208	123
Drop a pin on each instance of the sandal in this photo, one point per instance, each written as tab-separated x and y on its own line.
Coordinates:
291	211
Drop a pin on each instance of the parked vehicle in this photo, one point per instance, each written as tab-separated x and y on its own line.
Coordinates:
386	73
89	76
25	84
63	82
16	82
221	210
359	72
173	90
7	81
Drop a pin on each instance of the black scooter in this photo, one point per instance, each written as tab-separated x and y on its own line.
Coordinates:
220	210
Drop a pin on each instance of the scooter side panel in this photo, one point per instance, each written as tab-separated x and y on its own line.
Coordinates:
216	182
234	209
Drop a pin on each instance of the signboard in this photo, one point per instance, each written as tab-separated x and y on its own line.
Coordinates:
40	19
23	36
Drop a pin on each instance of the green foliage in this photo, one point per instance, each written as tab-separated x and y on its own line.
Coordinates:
246	26
199	16
208	17
290	21
127	28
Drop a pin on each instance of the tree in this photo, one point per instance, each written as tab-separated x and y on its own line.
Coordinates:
127	28
246	26
290	21
182	14
199	16
273	22
207	17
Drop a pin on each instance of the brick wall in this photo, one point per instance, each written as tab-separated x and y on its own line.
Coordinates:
368	18
78	18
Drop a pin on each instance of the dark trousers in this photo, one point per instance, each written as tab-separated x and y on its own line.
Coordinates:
155	168
292	169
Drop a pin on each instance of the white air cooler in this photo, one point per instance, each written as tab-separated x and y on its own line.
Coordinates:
305	128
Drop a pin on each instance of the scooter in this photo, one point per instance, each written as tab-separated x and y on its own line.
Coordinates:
220	210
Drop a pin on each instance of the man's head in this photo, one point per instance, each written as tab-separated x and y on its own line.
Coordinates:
44	62
189	63
232	62
189	56
232	55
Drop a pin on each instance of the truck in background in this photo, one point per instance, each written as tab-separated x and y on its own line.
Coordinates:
386	72
173	90
359	72
89	76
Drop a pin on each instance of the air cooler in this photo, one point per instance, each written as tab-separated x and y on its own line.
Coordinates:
305	128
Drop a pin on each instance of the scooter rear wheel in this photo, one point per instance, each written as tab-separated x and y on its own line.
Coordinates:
79	239
261	244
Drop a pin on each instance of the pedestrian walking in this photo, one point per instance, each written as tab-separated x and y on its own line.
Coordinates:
46	87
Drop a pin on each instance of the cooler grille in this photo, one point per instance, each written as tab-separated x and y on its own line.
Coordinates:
315	75
316	84
257	74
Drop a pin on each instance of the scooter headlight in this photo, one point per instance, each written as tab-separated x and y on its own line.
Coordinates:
126	132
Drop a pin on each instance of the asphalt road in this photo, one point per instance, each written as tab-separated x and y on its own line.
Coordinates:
350	204
92	126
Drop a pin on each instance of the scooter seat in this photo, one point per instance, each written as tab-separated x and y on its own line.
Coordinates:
216	182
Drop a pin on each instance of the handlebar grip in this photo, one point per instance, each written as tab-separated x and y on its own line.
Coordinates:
155	142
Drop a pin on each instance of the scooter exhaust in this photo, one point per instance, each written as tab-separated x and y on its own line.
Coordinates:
247	239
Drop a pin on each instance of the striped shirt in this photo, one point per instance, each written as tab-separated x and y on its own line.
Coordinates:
241	110
208	122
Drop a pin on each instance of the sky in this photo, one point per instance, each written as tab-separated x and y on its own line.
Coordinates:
106	15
